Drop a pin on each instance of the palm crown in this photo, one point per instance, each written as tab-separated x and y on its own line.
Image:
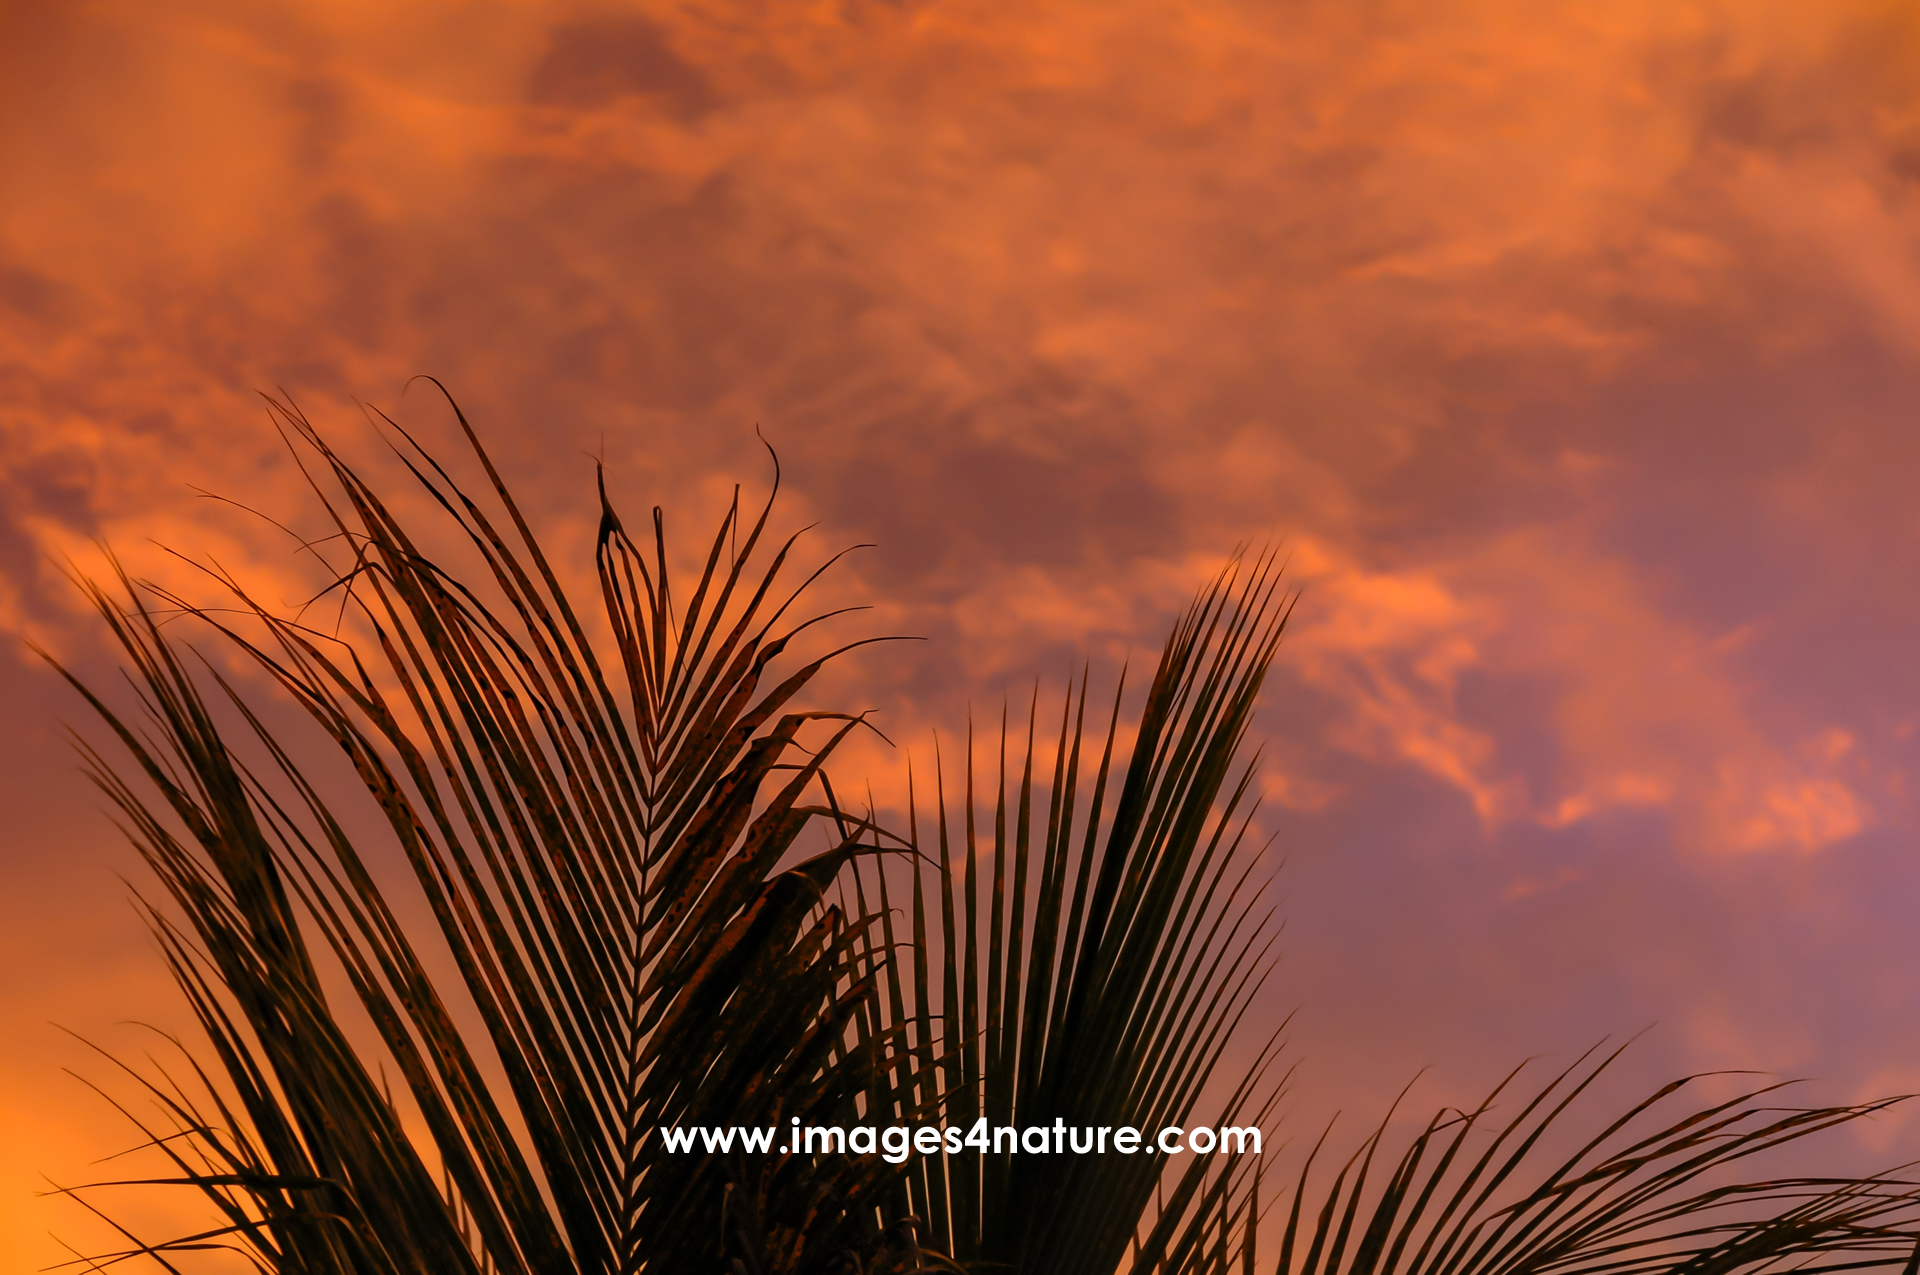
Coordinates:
627	936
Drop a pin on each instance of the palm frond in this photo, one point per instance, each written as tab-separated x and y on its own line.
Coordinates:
1089	958
1465	1196
623	934
607	853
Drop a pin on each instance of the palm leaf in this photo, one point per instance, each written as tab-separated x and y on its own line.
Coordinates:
608	855
1094	952
1626	1201
608	848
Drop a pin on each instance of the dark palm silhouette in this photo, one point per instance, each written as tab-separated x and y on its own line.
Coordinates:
627	933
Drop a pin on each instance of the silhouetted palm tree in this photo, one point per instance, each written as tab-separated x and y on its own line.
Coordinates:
607	838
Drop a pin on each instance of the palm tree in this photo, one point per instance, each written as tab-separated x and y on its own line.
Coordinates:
607	837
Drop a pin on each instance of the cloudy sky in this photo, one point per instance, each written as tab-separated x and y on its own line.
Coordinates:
1572	351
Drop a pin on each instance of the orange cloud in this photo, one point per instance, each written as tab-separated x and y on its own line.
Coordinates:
1571	347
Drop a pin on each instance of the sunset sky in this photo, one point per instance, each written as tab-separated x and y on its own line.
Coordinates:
1571	350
